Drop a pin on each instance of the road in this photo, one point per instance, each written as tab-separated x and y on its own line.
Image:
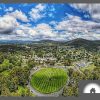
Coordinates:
55	94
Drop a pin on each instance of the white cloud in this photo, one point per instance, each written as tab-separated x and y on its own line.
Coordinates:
20	32
45	29
19	15
51	15
25	4
36	13
40	7
69	28
41	31
9	9
11	29
81	6
53	22
7	24
93	9
52	8
75	27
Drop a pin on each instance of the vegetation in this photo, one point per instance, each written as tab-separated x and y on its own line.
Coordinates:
81	59
49	80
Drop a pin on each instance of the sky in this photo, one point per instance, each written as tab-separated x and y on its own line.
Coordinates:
40	21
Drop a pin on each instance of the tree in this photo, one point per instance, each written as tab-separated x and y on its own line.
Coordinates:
67	62
70	90
88	75
5	91
5	65
22	74
31	64
96	73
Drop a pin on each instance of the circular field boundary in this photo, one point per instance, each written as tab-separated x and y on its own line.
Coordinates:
38	93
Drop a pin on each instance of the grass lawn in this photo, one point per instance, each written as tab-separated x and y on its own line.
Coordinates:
90	67
49	80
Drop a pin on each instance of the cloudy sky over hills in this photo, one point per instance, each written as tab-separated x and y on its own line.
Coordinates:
49	21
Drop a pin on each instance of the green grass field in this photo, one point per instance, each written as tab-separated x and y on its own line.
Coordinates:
49	80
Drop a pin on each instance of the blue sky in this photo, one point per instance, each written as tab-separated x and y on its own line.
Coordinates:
49	21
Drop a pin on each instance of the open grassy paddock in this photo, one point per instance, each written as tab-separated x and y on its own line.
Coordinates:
49	80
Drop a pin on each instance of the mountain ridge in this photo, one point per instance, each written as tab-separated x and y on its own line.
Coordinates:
74	42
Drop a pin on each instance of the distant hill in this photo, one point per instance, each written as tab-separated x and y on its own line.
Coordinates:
14	42
79	42
88	44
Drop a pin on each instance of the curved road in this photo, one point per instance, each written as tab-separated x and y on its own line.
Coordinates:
55	94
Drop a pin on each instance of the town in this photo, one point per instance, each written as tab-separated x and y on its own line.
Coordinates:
18	62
